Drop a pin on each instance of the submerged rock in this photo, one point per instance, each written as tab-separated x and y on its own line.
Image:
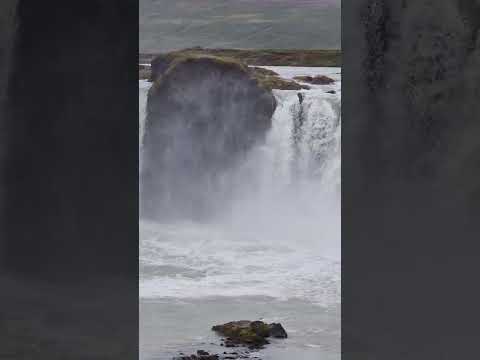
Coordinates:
250	333
201	355
247	337
204	355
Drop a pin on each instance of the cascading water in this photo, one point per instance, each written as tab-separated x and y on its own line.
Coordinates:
280	236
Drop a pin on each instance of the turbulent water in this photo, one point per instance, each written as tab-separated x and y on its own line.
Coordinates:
279	239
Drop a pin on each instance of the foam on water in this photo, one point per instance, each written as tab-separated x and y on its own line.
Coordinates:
198	261
281	236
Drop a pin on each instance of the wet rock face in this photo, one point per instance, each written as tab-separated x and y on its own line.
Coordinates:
202	115
250	333
277	331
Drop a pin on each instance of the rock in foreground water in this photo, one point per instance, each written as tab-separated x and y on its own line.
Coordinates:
250	333
204	355
201	355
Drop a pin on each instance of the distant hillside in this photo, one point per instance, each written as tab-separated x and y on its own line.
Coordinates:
167	25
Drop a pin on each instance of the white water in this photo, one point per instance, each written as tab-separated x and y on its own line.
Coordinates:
281	238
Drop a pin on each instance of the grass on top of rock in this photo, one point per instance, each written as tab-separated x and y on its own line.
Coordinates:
223	62
270	80
164	65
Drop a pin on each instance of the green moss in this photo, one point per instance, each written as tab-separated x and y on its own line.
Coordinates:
248	336
167	63
224	62
260	328
263	71
270	80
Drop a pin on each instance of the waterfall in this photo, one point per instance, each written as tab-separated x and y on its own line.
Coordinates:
294	178
280	233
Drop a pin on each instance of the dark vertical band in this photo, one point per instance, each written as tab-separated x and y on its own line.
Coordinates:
410	179
70	181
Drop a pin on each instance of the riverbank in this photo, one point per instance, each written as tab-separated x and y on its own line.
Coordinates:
264	57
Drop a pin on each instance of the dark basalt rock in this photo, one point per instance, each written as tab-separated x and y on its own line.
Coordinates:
203	113
277	331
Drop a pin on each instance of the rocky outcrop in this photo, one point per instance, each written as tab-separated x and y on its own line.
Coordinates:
270	80
265	78
203	113
247	337
250	333
315	80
